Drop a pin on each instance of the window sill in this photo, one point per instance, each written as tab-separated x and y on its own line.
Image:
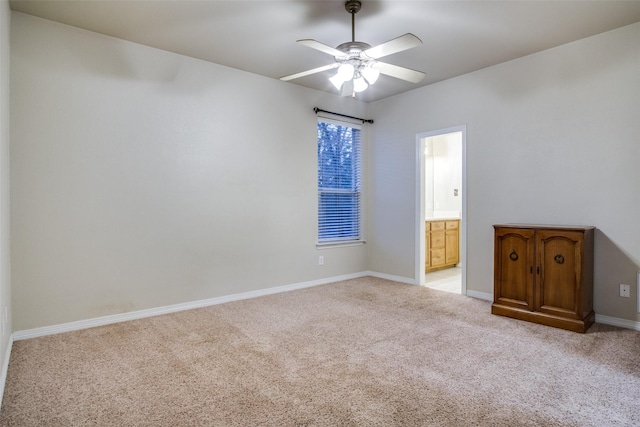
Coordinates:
330	245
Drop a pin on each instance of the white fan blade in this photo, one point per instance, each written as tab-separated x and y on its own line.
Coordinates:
402	73
309	72
322	47
393	46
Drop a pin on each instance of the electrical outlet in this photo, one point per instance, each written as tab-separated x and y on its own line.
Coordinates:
320	260
625	290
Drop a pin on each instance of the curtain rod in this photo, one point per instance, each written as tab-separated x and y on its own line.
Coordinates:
317	110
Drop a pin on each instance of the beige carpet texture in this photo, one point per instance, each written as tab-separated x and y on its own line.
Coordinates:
362	352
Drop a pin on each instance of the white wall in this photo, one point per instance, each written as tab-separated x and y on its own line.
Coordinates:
551	138
5	265
142	178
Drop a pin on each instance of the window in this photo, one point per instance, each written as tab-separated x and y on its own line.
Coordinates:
338	182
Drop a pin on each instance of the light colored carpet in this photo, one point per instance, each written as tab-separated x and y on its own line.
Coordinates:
363	352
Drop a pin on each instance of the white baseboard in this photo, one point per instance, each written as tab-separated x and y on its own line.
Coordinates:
606	320
480	295
5	368
470	293
140	314
614	321
401	279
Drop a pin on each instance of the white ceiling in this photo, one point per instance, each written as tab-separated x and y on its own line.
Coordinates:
259	36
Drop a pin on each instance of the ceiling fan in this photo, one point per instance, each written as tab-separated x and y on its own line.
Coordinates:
357	62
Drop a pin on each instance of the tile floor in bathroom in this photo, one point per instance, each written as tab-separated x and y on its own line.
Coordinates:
449	280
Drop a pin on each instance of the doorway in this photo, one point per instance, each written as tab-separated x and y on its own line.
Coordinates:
441	195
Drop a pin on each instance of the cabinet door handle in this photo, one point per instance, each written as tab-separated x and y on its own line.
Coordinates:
513	256
538	269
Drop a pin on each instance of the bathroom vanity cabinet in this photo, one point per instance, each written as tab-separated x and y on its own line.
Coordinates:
443	244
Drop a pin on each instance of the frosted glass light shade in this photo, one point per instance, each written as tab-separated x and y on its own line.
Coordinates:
347	88
336	81
344	74
359	84
359	79
370	74
345	71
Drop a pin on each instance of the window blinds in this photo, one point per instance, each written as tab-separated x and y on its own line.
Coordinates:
339	163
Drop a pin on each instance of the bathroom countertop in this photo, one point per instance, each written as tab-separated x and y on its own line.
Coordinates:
444	218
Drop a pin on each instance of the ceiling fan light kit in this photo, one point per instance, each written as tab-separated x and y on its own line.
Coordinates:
357	64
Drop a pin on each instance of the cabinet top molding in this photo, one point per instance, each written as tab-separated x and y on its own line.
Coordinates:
557	227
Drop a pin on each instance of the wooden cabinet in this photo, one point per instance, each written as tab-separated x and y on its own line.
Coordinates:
443	247
544	274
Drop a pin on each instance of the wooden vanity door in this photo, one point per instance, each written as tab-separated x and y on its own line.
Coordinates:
514	260
436	248
559	290
452	237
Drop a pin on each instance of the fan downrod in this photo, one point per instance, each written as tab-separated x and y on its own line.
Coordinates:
353	6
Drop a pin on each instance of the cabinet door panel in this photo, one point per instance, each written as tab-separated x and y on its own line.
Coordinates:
514	257
452	251
437	239
452	225
559	281
427	261
437	225
437	257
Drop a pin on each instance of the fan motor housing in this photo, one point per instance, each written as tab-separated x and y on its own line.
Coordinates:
353	48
